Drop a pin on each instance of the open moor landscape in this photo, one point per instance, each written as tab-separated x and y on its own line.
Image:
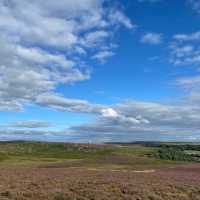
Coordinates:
63	171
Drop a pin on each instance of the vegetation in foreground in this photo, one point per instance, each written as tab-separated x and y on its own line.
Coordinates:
60	171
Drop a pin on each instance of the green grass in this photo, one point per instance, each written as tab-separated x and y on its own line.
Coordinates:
136	150
142	157
47	152
91	156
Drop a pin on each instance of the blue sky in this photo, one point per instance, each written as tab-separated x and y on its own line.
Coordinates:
100	70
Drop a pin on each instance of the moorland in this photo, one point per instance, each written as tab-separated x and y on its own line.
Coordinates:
118	171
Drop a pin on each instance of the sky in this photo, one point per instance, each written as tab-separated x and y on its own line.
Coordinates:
100	70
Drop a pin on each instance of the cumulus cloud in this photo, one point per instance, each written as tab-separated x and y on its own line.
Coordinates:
43	44
152	38
109	112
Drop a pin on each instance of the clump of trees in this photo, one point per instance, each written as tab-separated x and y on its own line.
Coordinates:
173	153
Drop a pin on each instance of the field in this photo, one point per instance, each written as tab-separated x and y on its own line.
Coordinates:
59	171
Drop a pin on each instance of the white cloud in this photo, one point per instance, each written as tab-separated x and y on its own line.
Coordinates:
140	118
103	112
127	121
95	38
187	37
109	112
103	55
58	102
185	49
42	44
39	56
152	38
131	119
117	17
182	54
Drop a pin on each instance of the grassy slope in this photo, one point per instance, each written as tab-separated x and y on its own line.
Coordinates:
35	152
90	156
